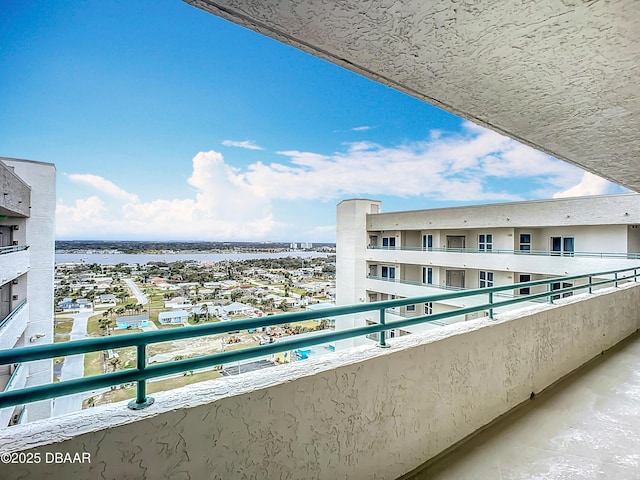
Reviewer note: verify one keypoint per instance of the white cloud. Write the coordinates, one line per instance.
(474, 165)
(103, 185)
(248, 144)
(363, 128)
(224, 207)
(452, 168)
(589, 185)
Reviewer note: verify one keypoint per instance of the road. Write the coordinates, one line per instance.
(141, 297)
(73, 367)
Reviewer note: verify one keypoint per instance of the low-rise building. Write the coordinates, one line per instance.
(132, 321)
(173, 317)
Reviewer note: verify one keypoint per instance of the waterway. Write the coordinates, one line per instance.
(142, 258)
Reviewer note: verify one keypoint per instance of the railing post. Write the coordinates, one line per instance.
(491, 303)
(141, 401)
(383, 341)
(635, 274)
(550, 289)
(590, 284)
(615, 277)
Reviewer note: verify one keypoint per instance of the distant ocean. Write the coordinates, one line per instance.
(141, 258)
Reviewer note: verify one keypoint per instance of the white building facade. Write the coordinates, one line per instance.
(27, 229)
(385, 256)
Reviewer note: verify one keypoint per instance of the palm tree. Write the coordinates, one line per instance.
(114, 362)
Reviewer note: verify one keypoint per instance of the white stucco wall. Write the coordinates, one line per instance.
(596, 210)
(351, 243)
(39, 234)
(365, 413)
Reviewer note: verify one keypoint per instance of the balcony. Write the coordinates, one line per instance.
(14, 261)
(410, 288)
(9, 382)
(586, 426)
(367, 412)
(541, 262)
(16, 198)
(13, 325)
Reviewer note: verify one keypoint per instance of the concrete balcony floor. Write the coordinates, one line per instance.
(587, 426)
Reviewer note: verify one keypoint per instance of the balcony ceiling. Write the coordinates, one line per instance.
(562, 76)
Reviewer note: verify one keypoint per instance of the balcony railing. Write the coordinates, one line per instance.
(142, 373)
(13, 248)
(13, 377)
(13, 313)
(434, 285)
(546, 253)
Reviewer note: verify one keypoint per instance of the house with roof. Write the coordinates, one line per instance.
(174, 317)
(107, 299)
(132, 321)
(237, 309)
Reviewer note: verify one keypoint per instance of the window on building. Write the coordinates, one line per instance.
(375, 208)
(562, 246)
(411, 308)
(427, 275)
(559, 286)
(567, 245)
(486, 279)
(388, 272)
(388, 242)
(485, 242)
(373, 297)
(373, 336)
(526, 290)
(428, 308)
(373, 240)
(373, 270)
(525, 242)
(427, 242)
(455, 278)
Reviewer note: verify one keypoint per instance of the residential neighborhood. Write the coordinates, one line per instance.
(127, 298)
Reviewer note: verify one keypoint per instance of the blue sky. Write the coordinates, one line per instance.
(166, 122)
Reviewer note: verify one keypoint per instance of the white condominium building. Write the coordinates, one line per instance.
(384, 256)
(27, 221)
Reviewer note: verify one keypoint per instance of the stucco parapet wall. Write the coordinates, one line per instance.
(363, 413)
(594, 210)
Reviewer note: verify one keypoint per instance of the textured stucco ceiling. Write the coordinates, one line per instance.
(560, 75)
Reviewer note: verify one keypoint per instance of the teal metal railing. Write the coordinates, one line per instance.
(546, 253)
(14, 375)
(12, 248)
(13, 313)
(143, 372)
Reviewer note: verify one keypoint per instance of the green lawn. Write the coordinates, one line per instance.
(62, 329)
(93, 364)
(93, 327)
(129, 392)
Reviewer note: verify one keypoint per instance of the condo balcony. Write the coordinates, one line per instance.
(14, 261)
(15, 200)
(542, 262)
(381, 411)
(13, 323)
(12, 377)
